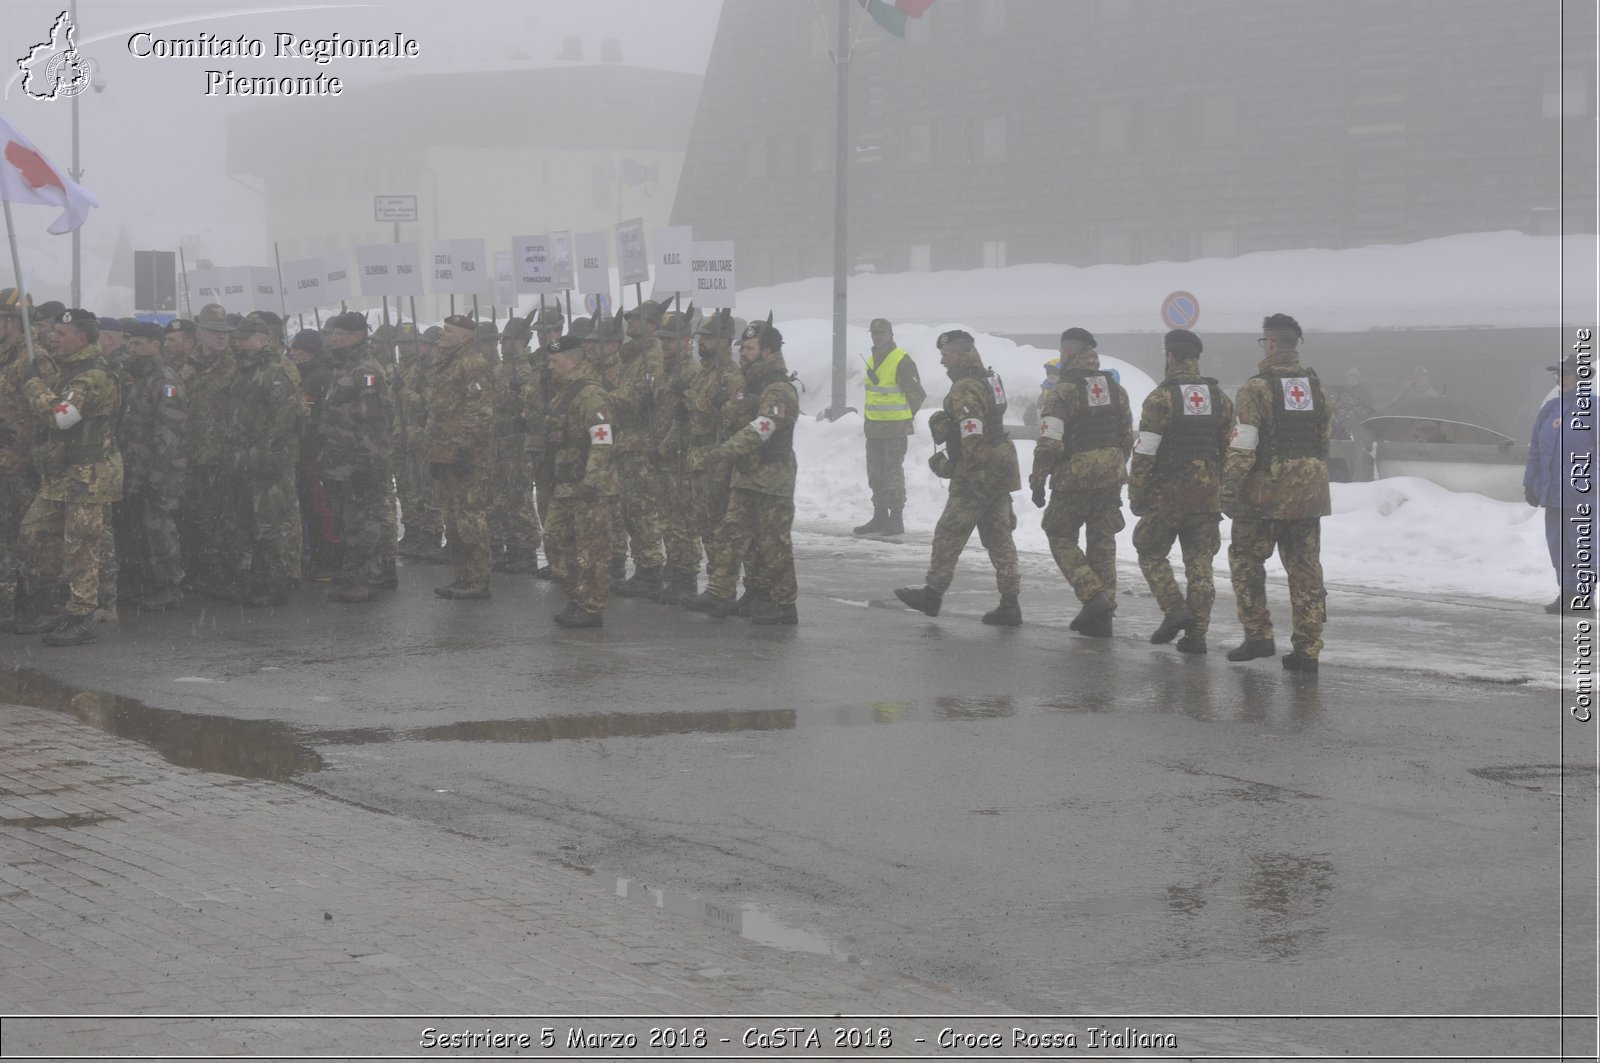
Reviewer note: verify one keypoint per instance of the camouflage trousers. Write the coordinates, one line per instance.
(994, 520)
(64, 540)
(15, 495)
(464, 500)
(207, 529)
(415, 491)
(1153, 537)
(886, 471)
(389, 545)
(358, 514)
(680, 525)
(320, 543)
(1098, 512)
(1299, 546)
(636, 513)
(269, 517)
(577, 540)
(513, 520)
(146, 534)
(755, 530)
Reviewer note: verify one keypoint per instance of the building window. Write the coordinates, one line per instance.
(1114, 127)
(757, 157)
(921, 258)
(994, 254)
(994, 138)
(1566, 95)
(919, 144)
(994, 17)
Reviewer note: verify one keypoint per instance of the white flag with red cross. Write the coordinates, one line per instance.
(26, 176)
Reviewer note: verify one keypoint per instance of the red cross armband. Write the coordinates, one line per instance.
(600, 435)
(971, 426)
(764, 427)
(66, 412)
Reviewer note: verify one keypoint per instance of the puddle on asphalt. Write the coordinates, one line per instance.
(749, 921)
(564, 728)
(249, 749)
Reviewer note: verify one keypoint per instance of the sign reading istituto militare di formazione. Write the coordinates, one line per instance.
(282, 47)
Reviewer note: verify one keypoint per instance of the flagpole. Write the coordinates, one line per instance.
(841, 209)
(16, 266)
(77, 175)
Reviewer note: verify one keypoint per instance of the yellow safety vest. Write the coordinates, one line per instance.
(885, 400)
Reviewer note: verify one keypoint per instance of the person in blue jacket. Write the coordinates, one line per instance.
(1558, 478)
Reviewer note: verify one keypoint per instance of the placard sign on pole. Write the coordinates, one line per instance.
(505, 289)
(633, 261)
(264, 289)
(673, 247)
(375, 265)
(459, 268)
(336, 281)
(561, 260)
(712, 263)
(594, 269)
(530, 263)
(233, 289)
(202, 288)
(407, 269)
(302, 284)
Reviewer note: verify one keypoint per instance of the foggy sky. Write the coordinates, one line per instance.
(152, 143)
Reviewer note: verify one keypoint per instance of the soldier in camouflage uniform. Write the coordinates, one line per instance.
(205, 521)
(177, 349)
(757, 525)
(263, 438)
(712, 418)
(638, 386)
(536, 398)
(980, 461)
(320, 535)
(16, 469)
(680, 530)
(513, 524)
(1275, 487)
(1174, 488)
(1085, 437)
(354, 446)
(80, 471)
(424, 523)
(382, 344)
(460, 453)
(577, 536)
(154, 460)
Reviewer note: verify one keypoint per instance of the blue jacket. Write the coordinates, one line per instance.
(1550, 470)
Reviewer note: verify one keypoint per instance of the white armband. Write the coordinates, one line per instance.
(1052, 428)
(600, 434)
(764, 427)
(1245, 437)
(971, 426)
(1147, 443)
(66, 415)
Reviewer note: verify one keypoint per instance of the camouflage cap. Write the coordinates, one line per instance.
(649, 310)
(550, 318)
(144, 330)
(674, 325)
(516, 329)
(254, 325)
(610, 328)
(580, 329)
(383, 334)
(213, 318)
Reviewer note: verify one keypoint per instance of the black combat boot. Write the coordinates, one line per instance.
(925, 599)
(262, 596)
(873, 526)
(1252, 649)
(1176, 621)
(645, 581)
(502, 557)
(892, 524)
(1007, 614)
(1094, 619)
(770, 612)
(38, 611)
(687, 587)
(76, 631)
(523, 560)
(576, 616)
(619, 571)
(666, 591)
(706, 602)
(1195, 644)
(750, 600)
(1299, 662)
(461, 591)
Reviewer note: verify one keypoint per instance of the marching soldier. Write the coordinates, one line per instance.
(265, 411)
(460, 452)
(80, 471)
(155, 459)
(713, 383)
(577, 536)
(1174, 488)
(513, 524)
(759, 519)
(536, 413)
(680, 534)
(1275, 487)
(980, 461)
(424, 523)
(354, 447)
(205, 520)
(1085, 436)
(16, 469)
(636, 398)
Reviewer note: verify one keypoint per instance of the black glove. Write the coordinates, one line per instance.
(463, 462)
(941, 465)
(939, 426)
(8, 434)
(1039, 496)
(1532, 499)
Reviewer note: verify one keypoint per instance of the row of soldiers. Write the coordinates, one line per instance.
(213, 459)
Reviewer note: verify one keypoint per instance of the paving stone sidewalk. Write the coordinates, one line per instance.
(129, 886)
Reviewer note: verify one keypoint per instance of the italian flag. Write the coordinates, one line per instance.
(892, 15)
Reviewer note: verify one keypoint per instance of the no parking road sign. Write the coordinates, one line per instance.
(1180, 310)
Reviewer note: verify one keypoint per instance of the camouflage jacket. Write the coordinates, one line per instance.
(677, 374)
(513, 377)
(354, 427)
(536, 396)
(637, 397)
(1257, 482)
(580, 436)
(411, 407)
(763, 450)
(1159, 482)
(1055, 457)
(984, 458)
(461, 408)
(155, 425)
(14, 409)
(79, 462)
(208, 412)
(265, 411)
(713, 383)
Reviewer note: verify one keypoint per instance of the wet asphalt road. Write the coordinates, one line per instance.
(1061, 824)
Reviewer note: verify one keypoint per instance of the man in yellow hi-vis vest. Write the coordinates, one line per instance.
(894, 395)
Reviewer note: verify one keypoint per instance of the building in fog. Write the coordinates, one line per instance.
(489, 154)
(1002, 132)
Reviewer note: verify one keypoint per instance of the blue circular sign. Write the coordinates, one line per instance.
(1180, 310)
